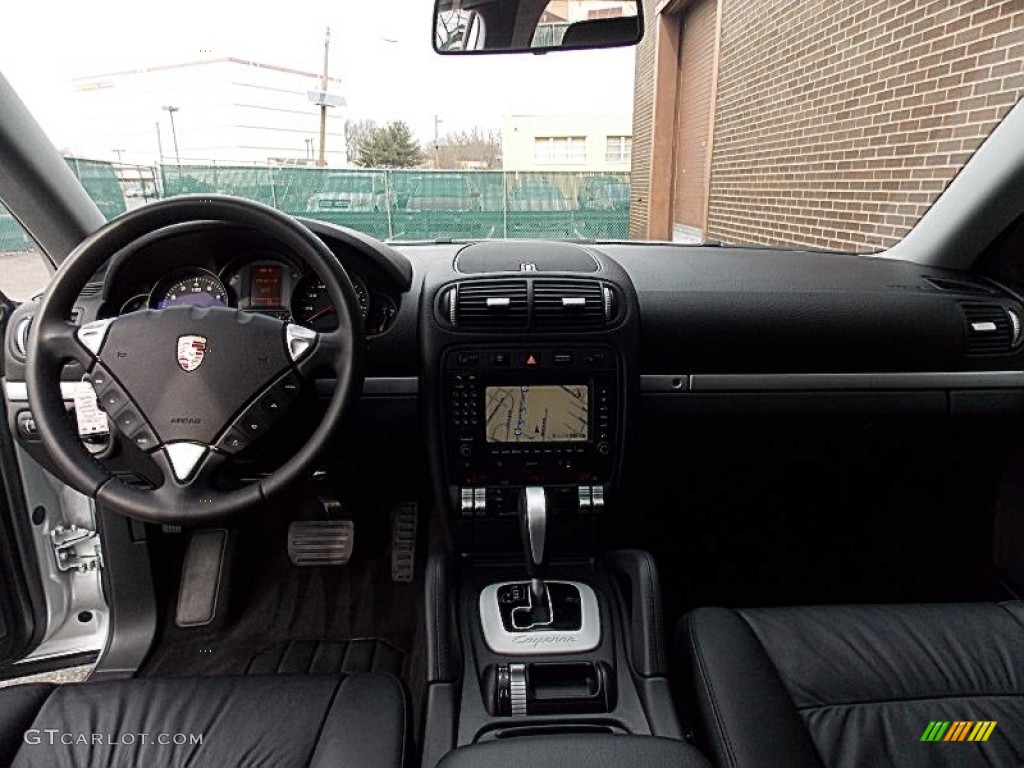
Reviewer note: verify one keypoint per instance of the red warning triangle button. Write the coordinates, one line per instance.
(531, 360)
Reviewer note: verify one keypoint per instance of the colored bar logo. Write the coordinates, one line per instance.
(958, 730)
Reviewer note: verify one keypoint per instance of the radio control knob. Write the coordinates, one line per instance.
(604, 448)
(465, 451)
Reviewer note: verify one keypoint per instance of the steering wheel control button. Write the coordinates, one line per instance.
(299, 341)
(184, 457)
(113, 400)
(128, 420)
(233, 442)
(92, 335)
(100, 378)
(144, 439)
(252, 423)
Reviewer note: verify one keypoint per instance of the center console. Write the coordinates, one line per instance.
(541, 415)
(534, 629)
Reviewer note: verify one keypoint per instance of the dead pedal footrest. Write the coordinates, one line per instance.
(320, 542)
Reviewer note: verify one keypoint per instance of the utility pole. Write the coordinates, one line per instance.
(437, 141)
(322, 161)
(159, 142)
(174, 133)
(118, 152)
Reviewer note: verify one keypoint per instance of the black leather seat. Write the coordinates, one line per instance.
(842, 686)
(309, 720)
(577, 751)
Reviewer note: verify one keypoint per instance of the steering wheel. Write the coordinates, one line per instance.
(189, 386)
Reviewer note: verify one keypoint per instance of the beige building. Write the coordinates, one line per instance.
(834, 126)
(227, 110)
(601, 143)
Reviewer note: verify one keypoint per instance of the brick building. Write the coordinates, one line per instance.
(824, 123)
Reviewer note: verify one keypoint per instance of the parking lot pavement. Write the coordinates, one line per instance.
(22, 274)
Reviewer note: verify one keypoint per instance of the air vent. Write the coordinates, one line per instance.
(91, 289)
(569, 304)
(991, 329)
(20, 338)
(488, 305)
(959, 286)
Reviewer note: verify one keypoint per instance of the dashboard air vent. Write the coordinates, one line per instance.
(91, 289)
(20, 338)
(568, 304)
(991, 329)
(488, 305)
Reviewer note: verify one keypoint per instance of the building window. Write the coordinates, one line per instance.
(619, 149)
(563, 150)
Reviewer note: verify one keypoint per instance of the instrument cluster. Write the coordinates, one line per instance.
(267, 284)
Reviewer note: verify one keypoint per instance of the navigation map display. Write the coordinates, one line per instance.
(537, 414)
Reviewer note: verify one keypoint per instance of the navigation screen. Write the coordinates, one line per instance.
(541, 414)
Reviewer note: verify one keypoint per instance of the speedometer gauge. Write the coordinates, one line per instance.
(312, 306)
(197, 288)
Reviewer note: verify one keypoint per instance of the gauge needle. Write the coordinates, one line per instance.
(321, 312)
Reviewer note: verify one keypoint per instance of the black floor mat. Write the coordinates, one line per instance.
(328, 657)
(348, 618)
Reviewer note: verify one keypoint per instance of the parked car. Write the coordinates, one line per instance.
(444, 192)
(134, 189)
(351, 192)
(603, 193)
(538, 195)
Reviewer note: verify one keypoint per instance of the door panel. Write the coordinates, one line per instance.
(21, 603)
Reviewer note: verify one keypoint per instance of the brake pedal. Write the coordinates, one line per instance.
(403, 543)
(320, 542)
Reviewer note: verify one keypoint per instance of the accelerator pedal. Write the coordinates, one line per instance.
(320, 542)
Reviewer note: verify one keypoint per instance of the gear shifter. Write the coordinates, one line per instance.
(533, 518)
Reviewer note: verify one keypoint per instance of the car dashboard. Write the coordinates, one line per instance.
(629, 337)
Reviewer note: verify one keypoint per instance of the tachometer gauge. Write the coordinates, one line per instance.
(197, 288)
(313, 308)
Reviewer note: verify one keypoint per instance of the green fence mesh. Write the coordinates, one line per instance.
(388, 204)
(416, 204)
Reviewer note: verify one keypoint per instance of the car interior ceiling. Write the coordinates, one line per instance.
(785, 526)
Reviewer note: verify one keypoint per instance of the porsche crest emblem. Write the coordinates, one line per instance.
(191, 351)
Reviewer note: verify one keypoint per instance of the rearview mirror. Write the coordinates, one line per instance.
(534, 26)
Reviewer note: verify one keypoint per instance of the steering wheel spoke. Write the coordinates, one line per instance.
(64, 341)
(318, 352)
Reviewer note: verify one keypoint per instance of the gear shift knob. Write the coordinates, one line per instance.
(533, 520)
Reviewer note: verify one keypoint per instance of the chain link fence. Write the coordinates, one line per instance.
(418, 204)
(388, 204)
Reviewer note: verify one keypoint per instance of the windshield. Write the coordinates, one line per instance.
(826, 125)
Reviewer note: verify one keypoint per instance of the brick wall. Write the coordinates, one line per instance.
(643, 113)
(839, 122)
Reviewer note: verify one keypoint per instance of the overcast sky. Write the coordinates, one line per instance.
(381, 49)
